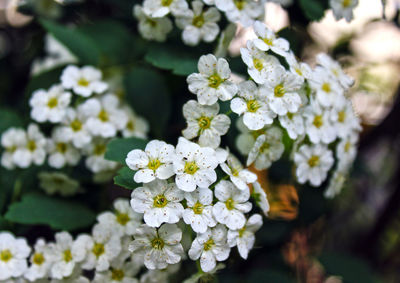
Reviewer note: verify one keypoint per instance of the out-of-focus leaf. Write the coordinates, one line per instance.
(125, 179)
(35, 209)
(269, 276)
(9, 118)
(314, 10)
(43, 80)
(147, 93)
(118, 149)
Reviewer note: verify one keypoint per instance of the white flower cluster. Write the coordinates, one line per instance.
(343, 9)
(104, 252)
(84, 116)
(198, 20)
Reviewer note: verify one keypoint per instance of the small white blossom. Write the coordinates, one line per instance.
(49, 105)
(318, 124)
(13, 255)
(60, 151)
(246, 139)
(343, 8)
(95, 156)
(313, 163)
(158, 247)
(344, 119)
(136, 126)
(203, 121)
(266, 40)
(260, 198)
(237, 174)
(74, 128)
(198, 213)
(335, 70)
(336, 184)
(119, 272)
(243, 11)
(159, 201)
(253, 104)
(199, 24)
(211, 83)
(232, 204)
(41, 261)
(83, 81)
(210, 246)
(58, 183)
(155, 162)
(346, 152)
(152, 28)
(300, 69)
(194, 165)
(161, 8)
(11, 140)
(33, 151)
(327, 89)
(267, 148)
(244, 238)
(293, 123)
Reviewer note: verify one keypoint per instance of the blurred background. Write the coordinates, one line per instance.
(353, 238)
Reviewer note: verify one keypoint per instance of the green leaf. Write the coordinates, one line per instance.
(9, 118)
(35, 209)
(87, 51)
(125, 178)
(314, 10)
(167, 58)
(148, 95)
(118, 149)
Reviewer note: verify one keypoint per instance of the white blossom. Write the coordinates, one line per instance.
(266, 40)
(136, 126)
(60, 151)
(336, 184)
(300, 69)
(293, 123)
(343, 8)
(11, 140)
(318, 124)
(346, 151)
(161, 8)
(243, 11)
(335, 70)
(95, 156)
(260, 198)
(33, 151)
(327, 89)
(41, 261)
(344, 119)
(58, 183)
(74, 128)
(152, 28)
(237, 174)
(119, 271)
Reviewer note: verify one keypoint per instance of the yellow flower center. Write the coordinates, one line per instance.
(265, 147)
(166, 3)
(326, 87)
(253, 105)
(130, 125)
(5, 255)
(198, 208)
(103, 116)
(122, 218)
(76, 125)
(61, 147)
(98, 249)
(11, 148)
(241, 231)
(53, 102)
(299, 72)
(268, 41)
(258, 64)
(83, 82)
(256, 134)
(67, 255)
(240, 4)
(151, 23)
(214, 81)
(198, 21)
(38, 258)
(318, 122)
(279, 91)
(313, 161)
(117, 274)
(346, 3)
(191, 168)
(341, 116)
(157, 243)
(160, 201)
(209, 244)
(204, 122)
(290, 115)
(99, 149)
(31, 145)
(154, 164)
(230, 204)
(347, 147)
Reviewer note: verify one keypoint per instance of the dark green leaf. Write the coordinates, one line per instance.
(314, 10)
(35, 209)
(125, 178)
(9, 118)
(118, 149)
(147, 93)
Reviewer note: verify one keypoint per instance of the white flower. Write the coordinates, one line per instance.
(123, 221)
(267, 148)
(95, 156)
(293, 123)
(194, 165)
(198, 213)
(120, 271)
(244, 238)
(239, 176)
(103, 247)
(75, 277)
(231, 206)
(300, 69)
(13, 255)
(199, 25)
(160, 8)
(158, 247)
(260, 66)
(49, 105)
(318, 124)
(152, 28)
(104, 116)
(246, 139)
(282, 90)
(210, 246)
(327, 89)
(260, 198)
(159, 201)
(335, 184)
(313, 163)
(60, 151)
(346, 152)
(57, 182)
(253, 104)
(41, 261)
(334, 69)
(343, 8)
(203, 121)
(159, 275)
(266, 40)
(136, 126)
(344, 119)
(67, 253)
(155, 162)
(74, 128)
(11, 140)
(243, 11)
(212, 82)
(33, 151)
(83, 81)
